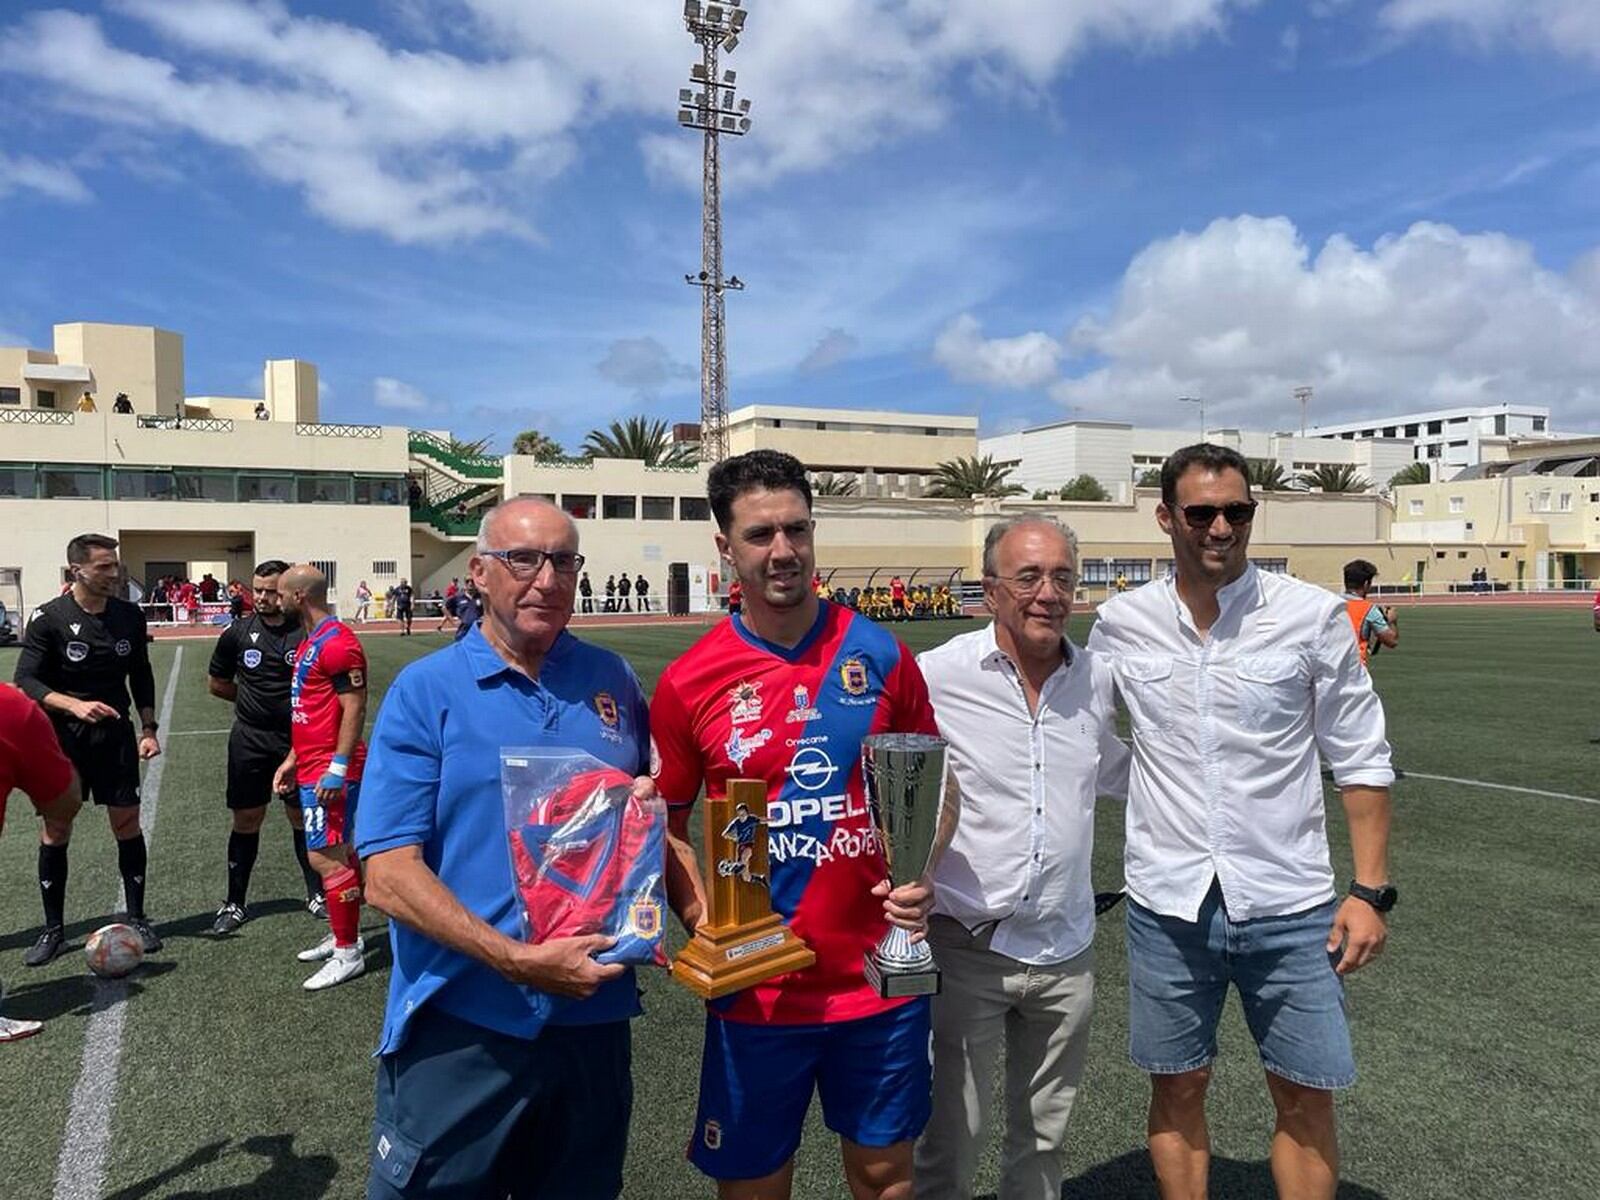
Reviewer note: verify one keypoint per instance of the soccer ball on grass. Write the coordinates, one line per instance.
(113, 951)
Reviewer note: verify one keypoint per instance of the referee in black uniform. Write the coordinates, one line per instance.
(251, 668)
(81, 655)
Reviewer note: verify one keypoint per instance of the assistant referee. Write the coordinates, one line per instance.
(81, 655)
(251, 668)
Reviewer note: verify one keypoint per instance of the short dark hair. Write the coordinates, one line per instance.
(78, 548)
(1206, 455)
(1358, 572)
(271, 567)
(733, 477)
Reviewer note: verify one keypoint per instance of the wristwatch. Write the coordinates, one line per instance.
(1381, 898)
(151, 726)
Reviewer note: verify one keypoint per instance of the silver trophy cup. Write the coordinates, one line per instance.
(905, 781)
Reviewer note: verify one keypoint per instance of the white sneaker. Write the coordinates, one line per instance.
(345, 963)
(14, 1031)
(323, 950)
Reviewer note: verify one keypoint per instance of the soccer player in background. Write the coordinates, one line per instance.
(251, 668)
(404, 598)
(82, 653)
(328, 704)
(719, 713)
(31, 760)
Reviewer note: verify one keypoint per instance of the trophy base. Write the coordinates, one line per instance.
(894, 985)
(721, 961)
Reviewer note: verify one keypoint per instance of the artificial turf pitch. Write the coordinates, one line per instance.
(1477, 1034)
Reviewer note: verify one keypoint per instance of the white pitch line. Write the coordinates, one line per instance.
(81, 1167)
(1500, 787)
(199, 732)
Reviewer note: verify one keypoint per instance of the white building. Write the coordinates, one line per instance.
(1449, 439)
(1119, 454)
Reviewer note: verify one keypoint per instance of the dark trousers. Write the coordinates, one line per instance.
(463, 1112)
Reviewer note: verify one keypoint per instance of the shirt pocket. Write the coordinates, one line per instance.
(1272, 691)
(1146, 687)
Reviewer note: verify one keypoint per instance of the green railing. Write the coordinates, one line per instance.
(474, 466)
(440, 514)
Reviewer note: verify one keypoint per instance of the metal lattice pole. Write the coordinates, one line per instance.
(712, 110)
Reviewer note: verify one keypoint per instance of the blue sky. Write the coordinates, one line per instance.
(477, 213)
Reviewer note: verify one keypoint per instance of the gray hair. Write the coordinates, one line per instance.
(997, 531)
(483, 525)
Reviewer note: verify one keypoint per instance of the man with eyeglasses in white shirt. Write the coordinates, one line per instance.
(1235, 681)
(1031, 723)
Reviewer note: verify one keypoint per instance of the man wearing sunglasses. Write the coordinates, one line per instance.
(1236, 681)
(504, 1066)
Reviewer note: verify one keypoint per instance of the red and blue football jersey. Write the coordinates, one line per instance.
(737, 707)
(327, 663)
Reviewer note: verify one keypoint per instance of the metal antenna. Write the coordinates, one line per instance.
(708, 104)
(1200, 400)
(1303, 394)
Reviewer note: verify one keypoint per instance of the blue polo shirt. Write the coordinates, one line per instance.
(433, 780)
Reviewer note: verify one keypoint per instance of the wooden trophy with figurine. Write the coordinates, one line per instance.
(741, 941)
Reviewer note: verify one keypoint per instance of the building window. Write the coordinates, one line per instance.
(1435, 449)
(1349, 437)
(1544, 501)
(1416, 508)
(1461, 553)
(1538, 424)
(1366, 433)
(44, 399)
(330, 569)
(1388, 431)
(580, 507)
(17, 483)
(144, 485)
(205, 485)
(657, 508)
(619, 508)
(63, 483)
(1435, 426)
(270, 489)
(694, 508)
(1564, 502)
(323, 489)
(1458, 504)
(929, 432)
(376, 491)
(1134, 570)
(1095, 570)
(1458, 420)
(1500, 424)
(1273, 566)
(1411, 430)
(10, 395)
(385, 566)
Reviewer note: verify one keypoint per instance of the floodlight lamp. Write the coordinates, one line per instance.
(733, 3)
(744, 124)
(737, 20)
(685, 117)
(714, 14)
(731, 42)
(729, 124)
(730, 77)
(744, 106)
(697, 71)
(735, 282)
(691, 9)
(703, 277)
(685, 95)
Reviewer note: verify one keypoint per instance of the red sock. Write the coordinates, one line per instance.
(343, 892)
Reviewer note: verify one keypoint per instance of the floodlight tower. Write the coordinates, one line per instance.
(709, 105)
(1201, 401)
(1303, 394)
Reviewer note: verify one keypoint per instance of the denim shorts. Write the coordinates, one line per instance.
(1178, 976)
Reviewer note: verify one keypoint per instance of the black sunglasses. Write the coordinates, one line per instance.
(1202, 516)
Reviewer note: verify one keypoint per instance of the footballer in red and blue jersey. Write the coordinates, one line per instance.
(739, 706)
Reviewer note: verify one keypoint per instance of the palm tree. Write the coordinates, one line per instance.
(477, 448)
(1267, 475)
(1334, 477)
(1150, 478)
(639, 439)
(1084, 487)
(964, 478)
(537, 445)
(1417, 472)
(834, 485)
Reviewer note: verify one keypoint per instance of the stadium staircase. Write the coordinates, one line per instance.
(448, 479)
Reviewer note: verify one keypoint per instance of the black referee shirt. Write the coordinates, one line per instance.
(259, 658)
(89, 656)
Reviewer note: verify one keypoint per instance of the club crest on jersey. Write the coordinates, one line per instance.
(252, 658)
(740, 747)
(711, 1135)
(644, 919)
(77, 651)
(802, 710)
(607, 708)
(744, 703)
(853, 676)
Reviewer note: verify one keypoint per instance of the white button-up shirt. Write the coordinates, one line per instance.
(1226, 732)
(1020, 855)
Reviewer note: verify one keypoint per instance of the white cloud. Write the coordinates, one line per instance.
(1243, 312)
(642, 364)
(428, 145)
(22, 173)
(400, 397)
(1570, 27)
(831, 349)
(1029, 360)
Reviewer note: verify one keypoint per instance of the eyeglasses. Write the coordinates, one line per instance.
(526, 563)
(1026, 583)
(1202, 516)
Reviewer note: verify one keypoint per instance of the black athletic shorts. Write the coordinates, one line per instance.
(254, 755)
(106, 754)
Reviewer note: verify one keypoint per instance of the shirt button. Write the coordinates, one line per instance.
(1038, 810)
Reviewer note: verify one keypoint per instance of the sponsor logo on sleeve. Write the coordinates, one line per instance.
(124, 647)
(77, 651)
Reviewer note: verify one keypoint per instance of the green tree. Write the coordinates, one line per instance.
(1334, 477)
(640, 439)
(477, 448)
(1417, 472)
(1268, 475)
(834, 485)
(1084, 487)
(1150, 478)
(964, 478)
(537, 445)
(1044, 494)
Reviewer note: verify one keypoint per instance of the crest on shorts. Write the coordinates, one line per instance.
(252, 658)
(607, 708)
(712, 1135)
(853, 675)
(77, 651)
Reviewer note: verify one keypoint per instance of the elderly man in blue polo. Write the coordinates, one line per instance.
(504, 1067)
